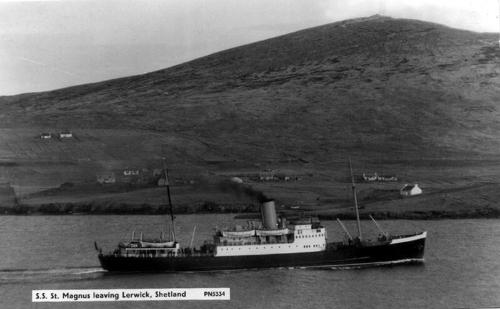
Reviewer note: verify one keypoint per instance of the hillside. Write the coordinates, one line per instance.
(377, 84)
(383, 90)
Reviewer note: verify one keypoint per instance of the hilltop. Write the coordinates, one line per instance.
(383, 90)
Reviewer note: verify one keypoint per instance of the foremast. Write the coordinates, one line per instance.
(355, 201)
(171, 208)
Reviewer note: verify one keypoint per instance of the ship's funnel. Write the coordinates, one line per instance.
(268, 212)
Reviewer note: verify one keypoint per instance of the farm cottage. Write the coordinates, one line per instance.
(410, 190)
(65, 134)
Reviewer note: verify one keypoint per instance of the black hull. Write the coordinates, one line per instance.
(383, 254)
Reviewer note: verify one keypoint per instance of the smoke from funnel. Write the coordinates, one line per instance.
(239, 189)
(242, 189)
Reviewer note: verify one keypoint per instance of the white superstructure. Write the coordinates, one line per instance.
(298, 239)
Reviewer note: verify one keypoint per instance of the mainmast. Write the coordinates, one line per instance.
(355, 200)
(167, 184)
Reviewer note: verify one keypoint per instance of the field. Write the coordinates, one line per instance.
(452, 188)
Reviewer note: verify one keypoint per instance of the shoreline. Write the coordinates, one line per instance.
(241, 211)
(62, 209)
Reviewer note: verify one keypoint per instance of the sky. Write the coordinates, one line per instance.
(51, 44)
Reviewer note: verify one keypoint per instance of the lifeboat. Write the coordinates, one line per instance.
(277, 232)
(248, 233)
(131, 244)
(165, 244)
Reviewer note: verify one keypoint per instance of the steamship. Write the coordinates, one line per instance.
(272, 242)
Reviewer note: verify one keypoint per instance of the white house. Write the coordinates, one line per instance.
(410, 190)
(236, 179)
(65, 134)
(161, 182)
(130, 172)
(373, 177)
(45, 136)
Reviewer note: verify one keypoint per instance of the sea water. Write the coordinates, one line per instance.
(461, 269)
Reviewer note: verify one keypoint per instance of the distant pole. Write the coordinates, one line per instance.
(355, 200)
(499, 23)
(381, 7)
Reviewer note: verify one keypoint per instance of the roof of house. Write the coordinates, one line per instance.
(408, 187)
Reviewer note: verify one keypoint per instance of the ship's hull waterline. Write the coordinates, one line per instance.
(402, 250)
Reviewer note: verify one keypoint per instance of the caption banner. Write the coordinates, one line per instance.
(130, 295)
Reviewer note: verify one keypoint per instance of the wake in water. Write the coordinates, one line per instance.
(49, 275)
(85, 273)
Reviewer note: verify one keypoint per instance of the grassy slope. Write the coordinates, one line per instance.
(389, 92)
